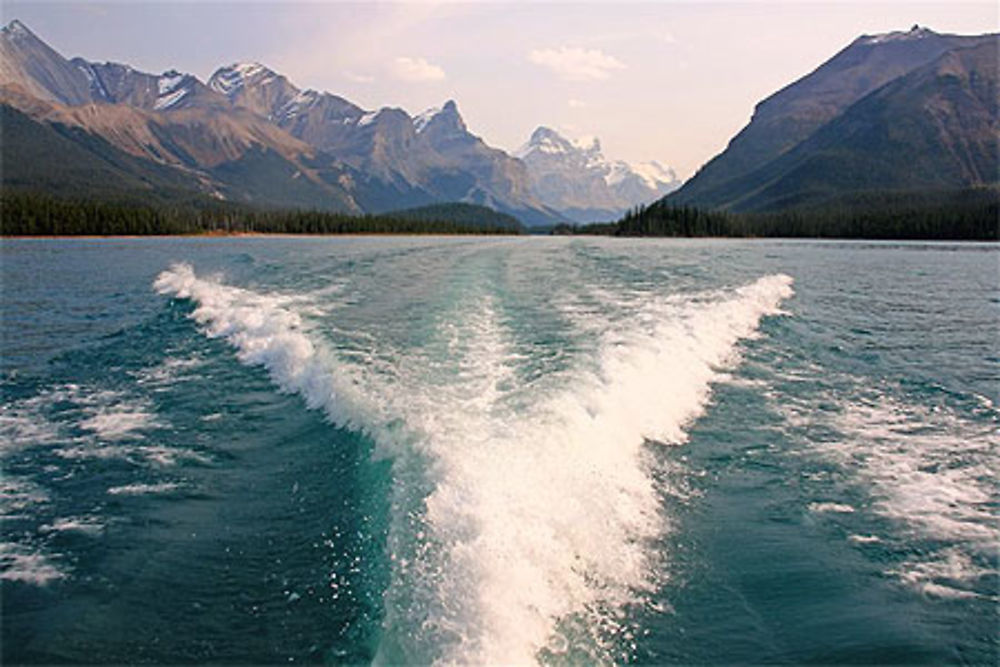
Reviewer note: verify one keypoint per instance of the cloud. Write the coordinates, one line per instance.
(576, 104)
(576, 64)
(416, 69)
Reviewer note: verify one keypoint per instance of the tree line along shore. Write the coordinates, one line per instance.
(970, 214)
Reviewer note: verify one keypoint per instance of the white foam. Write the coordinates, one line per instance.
(114, 415)
(168, 372)
(109, 415)
(19, 495)
(24, 423)
(535, 515)
(864, 539)
(118, 423)
(266, 332)
(84, 525)
(140, 489)
(838, 508)
(950, 574)
(18, 562)
(929, 470)
(170, 456)
(157, 455)
(20, 429)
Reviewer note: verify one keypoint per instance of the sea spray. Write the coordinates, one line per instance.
(520, 524)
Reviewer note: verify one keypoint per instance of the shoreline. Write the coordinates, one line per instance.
(224, 235)
(267, 235)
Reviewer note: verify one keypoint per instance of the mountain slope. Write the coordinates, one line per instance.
(162, 123)
(932, 128)
(576, 179)
(201, 152)
(67, 160)
(43, 73)
(793, 114)
(935, 128)
(249, 126)
(404, 160)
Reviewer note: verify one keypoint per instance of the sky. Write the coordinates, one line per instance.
(669, 81)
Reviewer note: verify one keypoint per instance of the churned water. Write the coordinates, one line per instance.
(453, 450)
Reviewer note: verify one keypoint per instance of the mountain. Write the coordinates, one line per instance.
(68, 161)
(576, 179)
(250, 134)
(170, 121)
(407, 161)
(39, 69)
(895, 111)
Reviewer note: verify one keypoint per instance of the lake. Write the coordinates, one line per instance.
(556, 450)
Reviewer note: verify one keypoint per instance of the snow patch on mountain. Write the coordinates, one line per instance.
(303, 101)
(653, 173)
(916, 32)
(574, 176)
(368, 118)
(168, 82)
(421, 120)
(171, 89)
(171, 99)
(229, 80)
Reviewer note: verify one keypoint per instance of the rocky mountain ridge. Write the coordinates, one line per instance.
(576, 179)
(350, 158)
(884, 108)
(370, 161)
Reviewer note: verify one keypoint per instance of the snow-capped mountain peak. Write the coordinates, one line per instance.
(421, 120)
(230, 79)
(654, 173)
(589, 144)
(547, 141)
(574, 177)
(914, 33)
(445, 118)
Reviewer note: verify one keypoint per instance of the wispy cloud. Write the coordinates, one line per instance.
(576, 64)
(416, 69)
(576, 104)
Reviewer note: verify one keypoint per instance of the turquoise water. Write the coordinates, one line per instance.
(564, 451)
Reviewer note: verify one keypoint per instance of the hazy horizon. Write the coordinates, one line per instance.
(669, 81)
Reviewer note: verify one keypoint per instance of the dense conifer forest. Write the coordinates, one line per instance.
(32, 214)
(971, 214)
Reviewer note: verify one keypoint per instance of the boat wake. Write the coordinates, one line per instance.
(524, 517)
